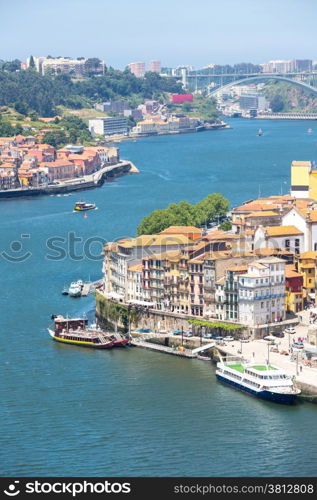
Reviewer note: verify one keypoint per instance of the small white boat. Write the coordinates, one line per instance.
(260, 132)
(82, 206)
(74, 289)
(309, 131)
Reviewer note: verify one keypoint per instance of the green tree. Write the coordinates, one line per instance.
(226, 226)
(277, 104)
(32, 63)
(21, 107)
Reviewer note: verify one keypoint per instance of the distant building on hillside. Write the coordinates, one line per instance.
(57, 65)
(109, 125)
(252, 101)
(155, 66)
(181, 98)
(137, 68)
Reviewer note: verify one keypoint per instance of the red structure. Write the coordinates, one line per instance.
(180, 98)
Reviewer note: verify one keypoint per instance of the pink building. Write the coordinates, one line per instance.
(155, 66)
(137, 68)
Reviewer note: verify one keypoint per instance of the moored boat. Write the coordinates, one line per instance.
(82, 206)
(263, 381)
(74, 289)
(74, 331)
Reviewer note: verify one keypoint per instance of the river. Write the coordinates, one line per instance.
(68, 411)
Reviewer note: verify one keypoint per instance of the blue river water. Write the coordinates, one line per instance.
(73, 412)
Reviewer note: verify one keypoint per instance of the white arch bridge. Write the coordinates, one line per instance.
(249, 79)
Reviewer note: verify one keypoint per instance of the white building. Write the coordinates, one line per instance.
(288, 238)
(117, 125)
(261, 292)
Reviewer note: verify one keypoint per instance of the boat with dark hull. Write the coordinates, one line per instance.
(263, 381)
(75, 331)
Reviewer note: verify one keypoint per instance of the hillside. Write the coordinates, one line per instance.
(286, 97)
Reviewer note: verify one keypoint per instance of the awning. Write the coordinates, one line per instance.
(114, 295)
(311, 295)
(141, 303)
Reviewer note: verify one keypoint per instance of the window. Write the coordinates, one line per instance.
(287, 243)
(297, 242)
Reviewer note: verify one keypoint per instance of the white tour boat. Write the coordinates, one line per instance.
(263, 381)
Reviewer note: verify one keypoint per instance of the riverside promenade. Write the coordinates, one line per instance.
(259, 350)
(91, 181)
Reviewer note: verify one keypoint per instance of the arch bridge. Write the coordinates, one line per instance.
(260, 77)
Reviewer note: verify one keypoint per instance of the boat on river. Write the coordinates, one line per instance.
(82, 206)
(75, 289)
(260, 132)
(74, 331)
(263, 381)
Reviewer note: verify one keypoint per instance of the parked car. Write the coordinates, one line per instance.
(229, 338)
(219, 338)
(206, 336)
(176, 332)
(278, 334)
(298, 345)
(187, 334)
(244, 340)
(290, 330)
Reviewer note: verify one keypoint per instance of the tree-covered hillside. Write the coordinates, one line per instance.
(35, 92)
(286, 97)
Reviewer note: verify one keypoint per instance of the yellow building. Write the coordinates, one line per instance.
(306, 266)
(304, 179)
(293, 290)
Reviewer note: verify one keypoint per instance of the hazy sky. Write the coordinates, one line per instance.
(196, 32)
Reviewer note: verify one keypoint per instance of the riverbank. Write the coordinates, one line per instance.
(78, 184)
(207, 127)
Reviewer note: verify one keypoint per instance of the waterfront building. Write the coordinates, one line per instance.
(253, 100)
(118, 256)
(134, 283)
(155, 66)
(109, 125)
(137, 68)
(59, 169)
(293, 289)
(227, 295)
(262, 292)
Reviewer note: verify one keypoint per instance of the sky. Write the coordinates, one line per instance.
(194, 32)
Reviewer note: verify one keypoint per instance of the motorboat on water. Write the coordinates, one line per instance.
(74, 289)
(82, 206)
(260, 132)
(264, 381)
(77, 332)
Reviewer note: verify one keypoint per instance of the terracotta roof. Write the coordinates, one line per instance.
(290, 272)
(264, 213)
(313, 215)
(181, 229)
(135, 268)
(282, 230)
(307, 266)
(241, 268)
(308, 255)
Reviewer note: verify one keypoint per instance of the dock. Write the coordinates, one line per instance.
(186, 353)
(86, 289)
